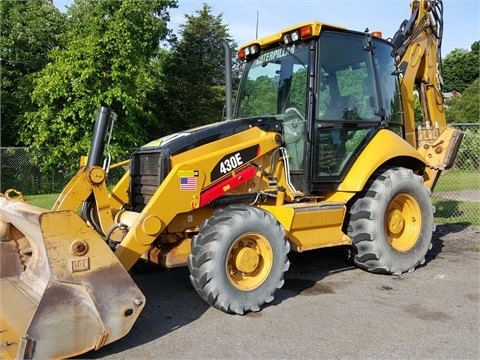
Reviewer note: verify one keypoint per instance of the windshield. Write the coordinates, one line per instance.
(275, 82)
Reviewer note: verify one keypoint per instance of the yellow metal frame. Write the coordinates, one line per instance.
(373, 157)
(169, 201)
(275, 38)
(85, 183)
(311, 225)
(421, 71)
(420, 58)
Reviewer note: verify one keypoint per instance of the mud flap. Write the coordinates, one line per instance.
(62, 290)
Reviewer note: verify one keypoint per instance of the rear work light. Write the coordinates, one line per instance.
(248, 51)
(291, 37)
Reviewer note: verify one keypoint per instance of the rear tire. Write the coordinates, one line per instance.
(391, 222)
(238, 259)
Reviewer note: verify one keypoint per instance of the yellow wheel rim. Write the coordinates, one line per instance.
(249, 261)
(403, 222)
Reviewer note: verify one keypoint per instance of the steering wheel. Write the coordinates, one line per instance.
(294, 124)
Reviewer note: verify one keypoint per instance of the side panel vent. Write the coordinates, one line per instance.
(147, 171)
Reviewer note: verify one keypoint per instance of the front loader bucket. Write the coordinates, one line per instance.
(62, 290)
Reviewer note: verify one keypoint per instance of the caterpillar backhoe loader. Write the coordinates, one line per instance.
(323, 151)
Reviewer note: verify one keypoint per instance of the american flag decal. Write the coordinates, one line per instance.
(188, 183)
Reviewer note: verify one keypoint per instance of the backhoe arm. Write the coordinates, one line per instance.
(417, 48)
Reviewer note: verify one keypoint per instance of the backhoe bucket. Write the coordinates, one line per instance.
(62, 290)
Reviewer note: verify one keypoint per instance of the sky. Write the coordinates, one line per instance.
(461, 17)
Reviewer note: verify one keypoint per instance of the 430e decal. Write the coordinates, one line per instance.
(232, 161)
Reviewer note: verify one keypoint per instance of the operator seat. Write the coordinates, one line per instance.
(337, 107)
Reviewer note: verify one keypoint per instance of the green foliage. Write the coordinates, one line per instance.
(465, 108)
(29, 29)
(417, 109)
(461, 68)
(469, 150)
(261, 96)
(106, 59)
(193, 73)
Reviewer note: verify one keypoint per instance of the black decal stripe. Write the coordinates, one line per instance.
(246, 155)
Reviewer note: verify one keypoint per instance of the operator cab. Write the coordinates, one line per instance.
(332, 92)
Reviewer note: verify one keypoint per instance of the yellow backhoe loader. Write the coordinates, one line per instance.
(323, 151)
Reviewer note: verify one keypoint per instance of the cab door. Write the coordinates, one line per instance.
(349, 105)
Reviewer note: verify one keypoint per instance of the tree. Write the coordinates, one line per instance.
(194, 72)
(417, 109)
(29, 30)
(465, 108)
(461, 68)
(106, 60)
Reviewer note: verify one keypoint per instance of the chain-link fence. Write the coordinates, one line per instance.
(18, 171)
(456, 196)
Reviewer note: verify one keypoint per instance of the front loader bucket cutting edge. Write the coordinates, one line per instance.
(62, 290)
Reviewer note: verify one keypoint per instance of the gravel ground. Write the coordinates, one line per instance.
(327, 309)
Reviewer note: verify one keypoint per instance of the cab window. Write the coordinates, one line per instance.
(347, 104)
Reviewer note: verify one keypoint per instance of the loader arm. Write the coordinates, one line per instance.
(88, 188)
(417, 47)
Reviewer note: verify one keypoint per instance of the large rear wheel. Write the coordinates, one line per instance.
(391, 222)
(238, 259)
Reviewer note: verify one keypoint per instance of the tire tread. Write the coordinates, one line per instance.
(205, 246)
(367, 252)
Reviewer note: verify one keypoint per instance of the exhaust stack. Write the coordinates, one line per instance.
(228, 81)
(98, 138)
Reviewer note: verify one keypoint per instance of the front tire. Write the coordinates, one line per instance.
(238, 259)
(391, 222)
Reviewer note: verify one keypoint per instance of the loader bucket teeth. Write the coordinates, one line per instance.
(63, 292)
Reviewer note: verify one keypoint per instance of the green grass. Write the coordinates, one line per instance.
(45, 201)
(458, 180)
(450, 211)
(457, 212)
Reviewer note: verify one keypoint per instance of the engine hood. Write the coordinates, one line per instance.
(190, 139)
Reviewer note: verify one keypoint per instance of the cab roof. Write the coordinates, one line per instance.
(277, 37)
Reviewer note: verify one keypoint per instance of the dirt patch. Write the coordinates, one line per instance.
(456, 238)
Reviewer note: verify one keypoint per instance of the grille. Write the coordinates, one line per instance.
(147, 171)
